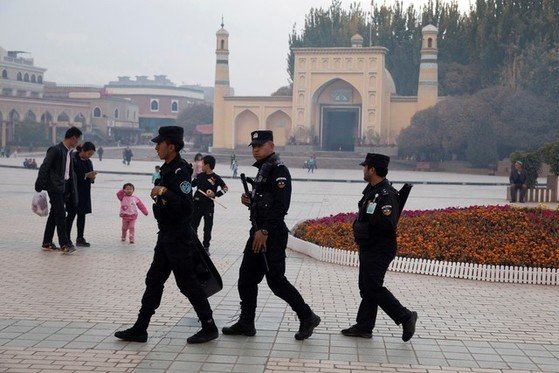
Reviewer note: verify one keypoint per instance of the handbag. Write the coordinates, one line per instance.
(39, 204)
(205, 270)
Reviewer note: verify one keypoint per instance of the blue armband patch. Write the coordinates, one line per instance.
(186, 187)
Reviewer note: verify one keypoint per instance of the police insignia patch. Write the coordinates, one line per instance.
(386, 210)
(186, 187)
(281, 182)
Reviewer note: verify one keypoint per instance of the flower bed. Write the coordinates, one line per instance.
(496, 235)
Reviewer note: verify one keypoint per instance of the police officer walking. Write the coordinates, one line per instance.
(174, 250)
(264, 253)
(375, 234)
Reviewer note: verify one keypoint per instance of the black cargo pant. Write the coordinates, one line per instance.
(253, 269)
(176, 257)
(206, 211)
(373, 264)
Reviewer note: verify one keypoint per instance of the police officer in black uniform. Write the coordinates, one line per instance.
(375, 233)
(174, 250)
(264, 253)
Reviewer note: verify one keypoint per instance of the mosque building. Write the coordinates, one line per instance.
(339, 95)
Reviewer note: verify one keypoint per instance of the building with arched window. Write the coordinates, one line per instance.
(20, 76)
(342, 97)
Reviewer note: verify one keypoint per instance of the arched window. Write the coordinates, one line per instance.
(430, 43)
(97, 112)
(19, 77)
(40, 79)
(5, 74)
(223, 44)
(116, 113)
(154, 105)
(33, 79)
(175, 106)
(26, 77)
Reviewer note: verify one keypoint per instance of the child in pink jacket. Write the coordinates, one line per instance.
(129, 206)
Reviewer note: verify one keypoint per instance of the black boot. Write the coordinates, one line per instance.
(132, 335)
(409, 326)
(82, 242)
(307, 326)
(357, 331)
(241, 327)
(209, 332)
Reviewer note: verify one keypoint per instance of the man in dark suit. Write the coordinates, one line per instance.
(55, 176)
(518, 180)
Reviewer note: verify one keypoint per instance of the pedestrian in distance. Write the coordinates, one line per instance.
(174, 251)
(129, 206)
(56, 176)
(156, 175)
(264, 253)
(235, 168)
(207, 183)
(100, 153)
(85, 176)
(374, 232)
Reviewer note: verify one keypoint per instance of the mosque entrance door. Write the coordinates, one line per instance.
(339, 128)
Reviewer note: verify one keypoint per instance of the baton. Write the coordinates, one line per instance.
(245, 186)
(212, 198)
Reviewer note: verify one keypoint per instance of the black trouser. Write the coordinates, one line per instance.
(72, 213)
(57, 219)
(173, 257)
(373, 264)
(253, 270)
(514, 188)
(206, 211)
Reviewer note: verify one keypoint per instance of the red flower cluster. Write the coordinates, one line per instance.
(497, 235)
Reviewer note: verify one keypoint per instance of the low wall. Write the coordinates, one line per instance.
(471, 271)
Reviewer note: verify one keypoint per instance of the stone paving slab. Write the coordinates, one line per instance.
(59, 313)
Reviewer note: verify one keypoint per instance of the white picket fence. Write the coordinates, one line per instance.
(470, 271)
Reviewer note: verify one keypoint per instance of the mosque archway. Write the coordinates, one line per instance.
(245, 123)
(280, 123)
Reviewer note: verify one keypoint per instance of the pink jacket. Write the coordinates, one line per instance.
(129, 206)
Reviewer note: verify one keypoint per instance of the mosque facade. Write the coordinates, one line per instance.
(342, 97)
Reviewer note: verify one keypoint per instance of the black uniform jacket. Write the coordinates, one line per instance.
(271, 195)
(173, 209)
(377, 220)
(51, 172)
(81, 167)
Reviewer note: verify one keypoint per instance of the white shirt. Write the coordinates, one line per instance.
(67, 169)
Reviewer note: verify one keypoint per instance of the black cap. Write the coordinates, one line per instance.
(173, 133)
(260, 137)
(376, 160)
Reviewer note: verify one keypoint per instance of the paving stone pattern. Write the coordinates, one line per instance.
(59, 313)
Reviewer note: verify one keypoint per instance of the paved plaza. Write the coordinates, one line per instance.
(59, 312)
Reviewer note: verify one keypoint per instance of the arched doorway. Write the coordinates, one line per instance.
(280, 123)
(337, 112)
(245, 123)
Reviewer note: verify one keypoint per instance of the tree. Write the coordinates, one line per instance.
(193, 115)
(550, 155)
(286, 90)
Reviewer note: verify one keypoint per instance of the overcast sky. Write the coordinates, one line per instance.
(94, 41)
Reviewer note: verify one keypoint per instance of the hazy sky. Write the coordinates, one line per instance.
(94, 41)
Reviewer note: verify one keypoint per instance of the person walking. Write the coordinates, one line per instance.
(56, 177)
(207, 183)
(100, 153)
(85, 176)
(174, 251)
(129, 206)
(264, 253)
(374, 232)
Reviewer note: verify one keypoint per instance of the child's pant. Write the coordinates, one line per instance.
(128, 225)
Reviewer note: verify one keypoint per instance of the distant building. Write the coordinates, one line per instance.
(21, 100)
(159, 100)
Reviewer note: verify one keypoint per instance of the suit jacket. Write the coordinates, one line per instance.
(51, 172)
